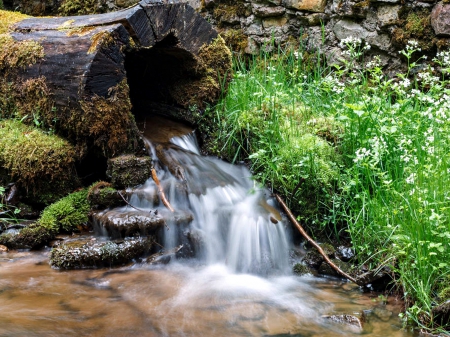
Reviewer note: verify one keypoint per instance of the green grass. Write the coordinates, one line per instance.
(354, 152)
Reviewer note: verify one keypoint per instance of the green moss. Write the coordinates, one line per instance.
(18, 54)
(36, 160)
(235, 40)
(102, 195)
(82, 7)
(1, 5)
(129, 170)
(415, 24)
(68, 213)
(301, 269)
(8, 18)
(33, 236)
(225, 12)
(213, 75)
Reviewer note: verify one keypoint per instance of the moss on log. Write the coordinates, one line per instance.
(37, 160)
(85, 75)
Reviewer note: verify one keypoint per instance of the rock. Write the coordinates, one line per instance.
(301, 269)
(345, 28)
(386, 1)
(351, 8)
(130, 222)
(325, 268)
(3, 249)
(129, 170)
(32, 236)
(90, 253)
(274, 22)
(313, 259)
(345, 253)
(388, 15)
(440, 19)
(355, 320)
(382, 313)
(266, 11)
(101, 195)
(312, 19)
(376, 281)
(441, 313)
(306, 5)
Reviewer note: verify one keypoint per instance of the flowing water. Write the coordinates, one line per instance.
(238, 283)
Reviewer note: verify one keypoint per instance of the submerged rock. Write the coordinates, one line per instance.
(90, 253)
(355, 321)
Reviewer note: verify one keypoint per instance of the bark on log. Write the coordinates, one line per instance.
(96, 68)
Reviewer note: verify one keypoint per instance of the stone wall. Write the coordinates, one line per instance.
(386, 25)
(319, 25)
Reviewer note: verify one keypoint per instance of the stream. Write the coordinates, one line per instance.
(233, 277)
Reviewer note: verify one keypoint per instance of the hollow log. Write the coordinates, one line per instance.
(86, 76)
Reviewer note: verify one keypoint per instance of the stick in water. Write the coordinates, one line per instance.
(310, 240)
(161, 191)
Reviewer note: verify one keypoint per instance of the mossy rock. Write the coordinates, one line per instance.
(325, 268)
(33, 236)
(41, 164)
(301, 269)
(102, 195)
(68, 214)
(129, 170)
(94, 254)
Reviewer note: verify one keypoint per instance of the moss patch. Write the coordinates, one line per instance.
(213, 75)
(82, 7)
(18, 54)
(8, 18)
(235, 39)
(129, 170)
(102, 195)
(415, 24)
(35, 159)
(67, 214)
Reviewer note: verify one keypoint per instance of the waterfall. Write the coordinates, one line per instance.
(234, 220)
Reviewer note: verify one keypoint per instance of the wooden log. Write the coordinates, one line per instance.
(97, 68)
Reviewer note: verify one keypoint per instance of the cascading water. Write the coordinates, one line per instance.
(233, 222)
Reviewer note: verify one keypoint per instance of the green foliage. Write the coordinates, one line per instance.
(67, 213)
(374, 151)
(289, 143)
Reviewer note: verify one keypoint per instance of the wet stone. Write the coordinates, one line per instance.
(325, 269)
(3, 249)
(355, 320)
(119, 223)
(344, 253)
(88, 252)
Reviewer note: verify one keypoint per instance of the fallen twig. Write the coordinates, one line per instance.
(161, 191)
(310, 240)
